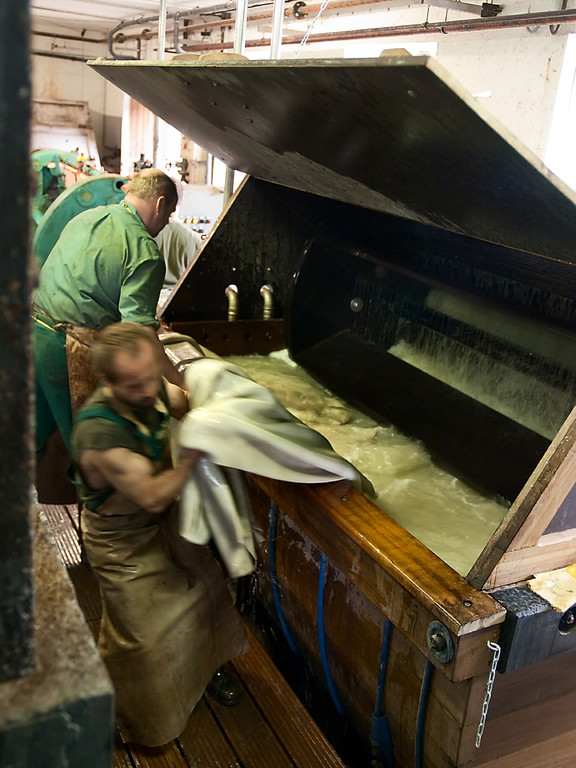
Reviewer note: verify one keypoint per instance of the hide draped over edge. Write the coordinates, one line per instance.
(240, 426)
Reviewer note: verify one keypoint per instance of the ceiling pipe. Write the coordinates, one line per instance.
(223, 8)
(299, 10)
(76, 38)
(442, 27)
(65, 56)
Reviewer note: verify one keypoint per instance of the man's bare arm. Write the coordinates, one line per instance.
(131, 474)
(177, 400)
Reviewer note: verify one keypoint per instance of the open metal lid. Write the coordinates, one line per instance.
(396, 135)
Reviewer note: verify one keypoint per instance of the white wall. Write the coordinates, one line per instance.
(518, 69)
(63, 79)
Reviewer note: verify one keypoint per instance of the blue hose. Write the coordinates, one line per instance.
(421, 716)
(321, 636)
(380, 734)
(274, 579)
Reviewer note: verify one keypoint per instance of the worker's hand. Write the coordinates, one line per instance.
(189, 456)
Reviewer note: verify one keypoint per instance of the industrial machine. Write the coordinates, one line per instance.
(384, 210)
(89, 192)
(55, 171)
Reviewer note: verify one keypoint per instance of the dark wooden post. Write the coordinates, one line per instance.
(16, 613)
(56, 701)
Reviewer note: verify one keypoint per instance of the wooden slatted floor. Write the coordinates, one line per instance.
(268, 728)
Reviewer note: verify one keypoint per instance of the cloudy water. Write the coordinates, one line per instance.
(450, 518)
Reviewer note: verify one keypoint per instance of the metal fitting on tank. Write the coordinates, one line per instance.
(266, 292)
(232, 296)
(440, 642)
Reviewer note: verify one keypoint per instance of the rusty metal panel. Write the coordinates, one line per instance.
(393, 135)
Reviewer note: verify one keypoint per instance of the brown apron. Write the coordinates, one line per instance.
(81, 378)
(166, 628)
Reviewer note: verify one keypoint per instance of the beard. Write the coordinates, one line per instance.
(141, 409)
(144, 408)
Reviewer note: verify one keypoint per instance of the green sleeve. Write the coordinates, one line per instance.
(141, 287)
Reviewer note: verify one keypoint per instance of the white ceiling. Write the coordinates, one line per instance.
(104, 15)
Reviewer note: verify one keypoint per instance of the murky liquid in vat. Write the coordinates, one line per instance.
(447, 516)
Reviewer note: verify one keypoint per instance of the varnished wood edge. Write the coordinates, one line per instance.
(518, 513)
(433, 583)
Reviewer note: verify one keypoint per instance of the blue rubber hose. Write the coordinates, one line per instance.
(322, 638)
(274, 579)
(380, 734)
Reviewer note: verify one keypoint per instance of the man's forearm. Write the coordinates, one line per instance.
(161, 490)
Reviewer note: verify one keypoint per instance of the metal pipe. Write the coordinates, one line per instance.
(176, 35)
(228, 185)
(222, 8)
(240, 25)
(161, 56)
(162, 31)
(60, 36)
(302, 11)
(266, 292)
(66, 57)
(443, 27)
(232, 296)
(277, 24)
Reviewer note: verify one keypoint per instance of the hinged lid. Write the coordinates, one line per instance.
(396, 134)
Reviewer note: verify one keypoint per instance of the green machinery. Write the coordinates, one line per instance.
(100, 189)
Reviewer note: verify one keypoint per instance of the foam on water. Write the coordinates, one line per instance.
(440, 510)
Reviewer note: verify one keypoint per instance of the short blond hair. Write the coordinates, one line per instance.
(152, 183)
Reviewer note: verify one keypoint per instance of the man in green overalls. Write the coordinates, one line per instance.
(168, 623)
(104, 268)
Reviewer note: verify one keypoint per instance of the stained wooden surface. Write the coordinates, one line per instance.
(529, 718)
(268, 727)
(399, 574)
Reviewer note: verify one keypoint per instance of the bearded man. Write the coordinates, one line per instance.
(168, 622)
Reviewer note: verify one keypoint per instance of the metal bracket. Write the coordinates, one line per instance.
(440, 642)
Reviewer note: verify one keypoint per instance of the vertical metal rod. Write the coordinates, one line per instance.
(277, 24)
(240, 25)
(162, 30)
(239, 35)
(161, 55)
(228, 185)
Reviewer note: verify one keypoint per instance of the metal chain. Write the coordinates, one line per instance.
(489, 685)
(311, 27)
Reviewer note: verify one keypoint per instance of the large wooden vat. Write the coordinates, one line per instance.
(383, 206)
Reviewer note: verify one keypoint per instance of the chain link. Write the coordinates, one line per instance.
(311, 27)
(489, 685)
